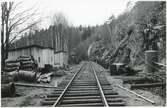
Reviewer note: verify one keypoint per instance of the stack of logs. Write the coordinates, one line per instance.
(26, 70)
(11, 65)
(27, 63)
(22, 69)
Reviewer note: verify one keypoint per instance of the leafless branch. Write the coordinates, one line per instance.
(22, 30)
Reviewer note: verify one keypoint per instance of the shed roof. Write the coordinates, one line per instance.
(30, 46)
(28, 42)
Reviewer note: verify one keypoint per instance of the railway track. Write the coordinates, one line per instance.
(86, 87)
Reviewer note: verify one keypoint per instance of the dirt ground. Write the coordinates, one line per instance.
(31, 96)
(131, 99)
(28, 96)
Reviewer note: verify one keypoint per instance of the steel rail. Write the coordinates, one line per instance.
(62, 94)
(135, 94)
(100, 88)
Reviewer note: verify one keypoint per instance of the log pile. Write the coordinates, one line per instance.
(22, 68)
(11, 65)
(22, 62)
(27, 63)
(22, 75)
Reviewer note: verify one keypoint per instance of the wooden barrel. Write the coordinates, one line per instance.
(7, 90)
(151, 56)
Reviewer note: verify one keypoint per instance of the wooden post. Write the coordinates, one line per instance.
(151, 56)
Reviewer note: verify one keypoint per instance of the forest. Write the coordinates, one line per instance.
(128, 50)
(111, 32)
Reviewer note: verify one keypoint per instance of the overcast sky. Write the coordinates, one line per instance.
(78, 12)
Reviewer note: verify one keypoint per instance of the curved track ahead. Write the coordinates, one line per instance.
(86, 87)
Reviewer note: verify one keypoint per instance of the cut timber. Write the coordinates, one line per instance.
(24, 59)
(93, 104)
(29, 76)
(85, 97)
(11, 69)
(17, 64)
(139, 80)
(33, 85)
(27, 62)
(133, 79)
(137, 86)
(83, 101)
(12, 61)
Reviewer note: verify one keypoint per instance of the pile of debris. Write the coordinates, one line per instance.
(45, 78)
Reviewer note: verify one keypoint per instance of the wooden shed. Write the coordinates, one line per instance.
(42, 55)
(53, 51)
(60, 59)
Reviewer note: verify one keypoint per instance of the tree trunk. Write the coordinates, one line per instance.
(7, 36)
(2, 40)
(54, 38)
(2, 46)
(7, 44)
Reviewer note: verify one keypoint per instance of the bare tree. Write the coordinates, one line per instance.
(60, 29)
(59, 18)
(13, 25)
